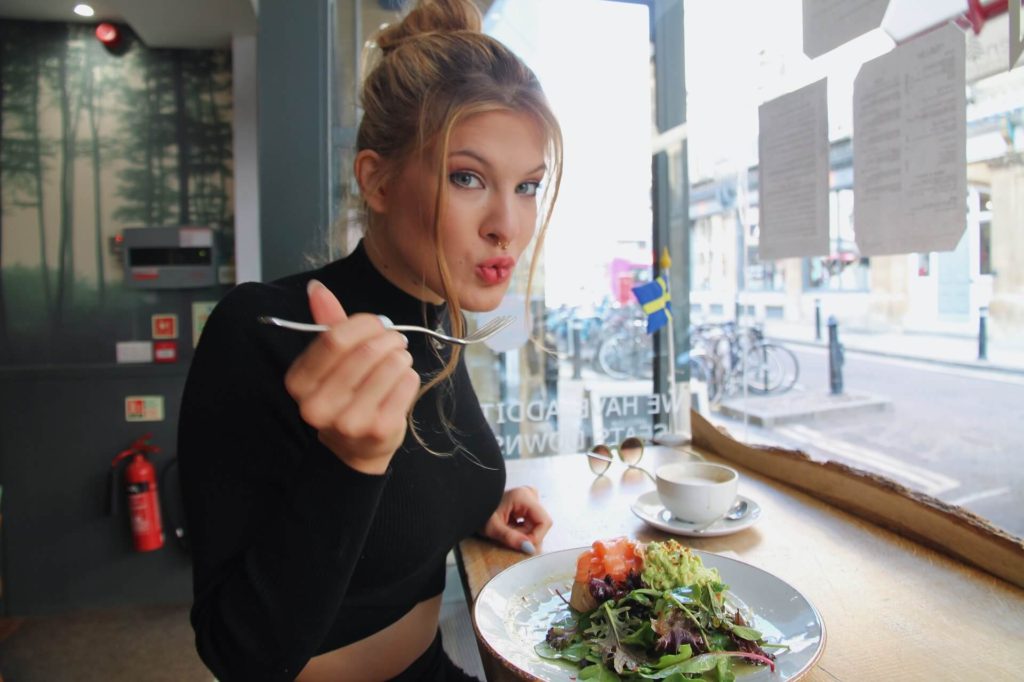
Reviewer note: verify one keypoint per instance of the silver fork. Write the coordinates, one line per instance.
(482, 333)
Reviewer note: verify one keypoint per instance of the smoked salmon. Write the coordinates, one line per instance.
(613, 560)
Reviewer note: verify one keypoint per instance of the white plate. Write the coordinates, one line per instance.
(515, 608)
(650, 509)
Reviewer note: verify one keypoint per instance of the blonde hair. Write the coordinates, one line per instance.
(434, 69)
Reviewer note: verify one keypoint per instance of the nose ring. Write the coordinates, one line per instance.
(503, 245)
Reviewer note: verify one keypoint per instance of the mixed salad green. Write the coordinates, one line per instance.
(673, 621)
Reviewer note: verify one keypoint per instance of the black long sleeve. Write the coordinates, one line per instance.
(296, 553)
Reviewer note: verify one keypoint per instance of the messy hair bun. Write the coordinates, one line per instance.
(432, 16)
(433, 66)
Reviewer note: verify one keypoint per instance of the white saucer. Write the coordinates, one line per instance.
(650, 509)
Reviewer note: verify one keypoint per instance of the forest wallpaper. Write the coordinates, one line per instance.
(93, 141)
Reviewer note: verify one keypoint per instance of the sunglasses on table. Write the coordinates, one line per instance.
(600, 457)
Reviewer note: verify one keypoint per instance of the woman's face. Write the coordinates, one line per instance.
(494, 166)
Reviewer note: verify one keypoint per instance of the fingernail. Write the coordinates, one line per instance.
(527, 547)
(313, 284)
(386, 321)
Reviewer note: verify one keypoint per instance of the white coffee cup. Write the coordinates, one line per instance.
(697, 492)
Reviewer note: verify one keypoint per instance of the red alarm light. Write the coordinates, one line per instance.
(108, 34)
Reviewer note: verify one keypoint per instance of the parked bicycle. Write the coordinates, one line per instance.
(626, 350)
(730, 359)
(727, 358)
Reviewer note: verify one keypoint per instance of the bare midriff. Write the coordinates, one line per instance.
(383, 654)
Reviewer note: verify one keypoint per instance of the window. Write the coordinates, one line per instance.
(909, 322)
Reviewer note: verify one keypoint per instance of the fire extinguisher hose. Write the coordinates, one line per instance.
(170, 500)
(113, 492)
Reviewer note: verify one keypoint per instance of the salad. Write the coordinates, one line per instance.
(652, 612)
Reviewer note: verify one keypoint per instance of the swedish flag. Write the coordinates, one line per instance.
(656, 299)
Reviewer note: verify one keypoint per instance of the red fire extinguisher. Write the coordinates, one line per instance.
(141, 489)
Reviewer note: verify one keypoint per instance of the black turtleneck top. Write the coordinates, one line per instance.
(295, 553)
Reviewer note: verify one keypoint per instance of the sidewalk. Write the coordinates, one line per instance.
(946, 349)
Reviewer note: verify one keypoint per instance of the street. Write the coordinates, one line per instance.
(954, 433)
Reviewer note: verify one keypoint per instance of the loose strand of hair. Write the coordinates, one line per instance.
(457, 323)
(548, 200)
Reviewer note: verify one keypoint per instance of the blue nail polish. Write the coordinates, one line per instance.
(527, 547)
(386, 321)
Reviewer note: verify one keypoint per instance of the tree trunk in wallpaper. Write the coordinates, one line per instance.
(4, 342)
(208, 192)
(145, 135)
(199, 186)
(97, 194)
(217, 134)
(70, 106)
(182, 137)
(40, 167)
(220, 153)
(163, 122)
(200, 166)
(167, 116)
(152, 181)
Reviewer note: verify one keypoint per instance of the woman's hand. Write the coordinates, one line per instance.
(520, 521)
(354, 384)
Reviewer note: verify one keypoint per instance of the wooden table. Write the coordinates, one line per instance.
(893, 609)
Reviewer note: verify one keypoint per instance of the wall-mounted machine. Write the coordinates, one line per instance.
(169, 257)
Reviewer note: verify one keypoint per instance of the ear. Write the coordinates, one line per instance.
(369, 171)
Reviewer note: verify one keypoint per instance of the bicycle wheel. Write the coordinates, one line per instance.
(624, 357)
(702, 371)
(790, 365)
(769, 368)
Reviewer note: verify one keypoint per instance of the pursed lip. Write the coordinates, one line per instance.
(496, 270)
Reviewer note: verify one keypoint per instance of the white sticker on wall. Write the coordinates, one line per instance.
(144, 408)
(134, 351)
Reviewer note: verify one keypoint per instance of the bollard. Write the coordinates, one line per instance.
(835, 357)
(817, 319)
(577, 350)
(983, 333)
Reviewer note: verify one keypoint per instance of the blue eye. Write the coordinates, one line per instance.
(466, 179)
(528, 188)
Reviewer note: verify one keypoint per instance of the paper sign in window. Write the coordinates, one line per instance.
(830, 23)
(793, 174)
(910, 147)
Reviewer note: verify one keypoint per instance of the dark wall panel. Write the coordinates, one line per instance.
(59, 430)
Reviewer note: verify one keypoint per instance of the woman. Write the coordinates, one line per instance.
(327, 477)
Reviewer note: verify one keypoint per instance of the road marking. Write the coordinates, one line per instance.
(920, 478)
(981, 495)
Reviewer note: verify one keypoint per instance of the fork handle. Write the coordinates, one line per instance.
(307, 327)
